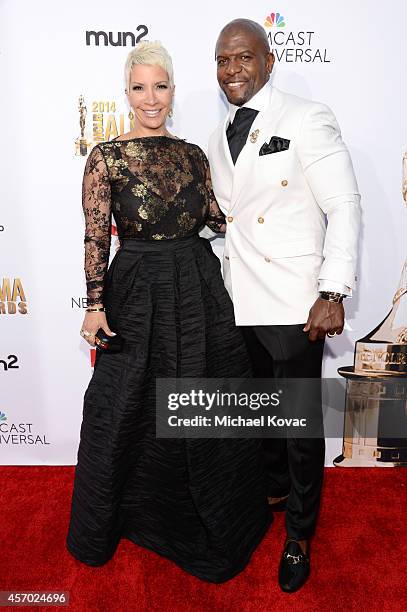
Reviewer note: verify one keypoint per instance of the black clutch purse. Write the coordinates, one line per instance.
(108, 344)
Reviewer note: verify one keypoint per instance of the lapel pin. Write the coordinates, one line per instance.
(254, 135)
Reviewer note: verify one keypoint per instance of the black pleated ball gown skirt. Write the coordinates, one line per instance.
(199, 502)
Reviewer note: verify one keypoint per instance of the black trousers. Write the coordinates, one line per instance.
(294, 466)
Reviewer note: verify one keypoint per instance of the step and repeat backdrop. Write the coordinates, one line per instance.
(63, 91)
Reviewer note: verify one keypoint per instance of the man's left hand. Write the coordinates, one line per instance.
(324, 318)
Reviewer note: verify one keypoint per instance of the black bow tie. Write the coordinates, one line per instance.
(238, 131)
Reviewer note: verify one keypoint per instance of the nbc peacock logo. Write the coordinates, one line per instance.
(274, 20)
(3, 416)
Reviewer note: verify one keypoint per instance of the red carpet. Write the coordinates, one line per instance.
(359, 557)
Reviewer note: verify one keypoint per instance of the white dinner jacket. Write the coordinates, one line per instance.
(293, 216)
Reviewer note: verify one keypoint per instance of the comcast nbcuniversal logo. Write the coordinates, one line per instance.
(295, 45)
(274, 20)
(19, 433)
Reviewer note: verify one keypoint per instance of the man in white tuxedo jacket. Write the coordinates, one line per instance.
(284, 179)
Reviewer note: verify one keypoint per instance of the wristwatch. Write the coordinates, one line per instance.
(332, 296)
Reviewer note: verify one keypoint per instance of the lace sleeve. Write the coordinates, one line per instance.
(216, 219)
(96, 203)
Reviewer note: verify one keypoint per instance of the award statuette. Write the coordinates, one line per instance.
(81, 143)
(375, 431)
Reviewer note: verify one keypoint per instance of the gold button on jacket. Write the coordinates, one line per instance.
(260, 220)
(268, 259)
(284, 183)
(230, 219)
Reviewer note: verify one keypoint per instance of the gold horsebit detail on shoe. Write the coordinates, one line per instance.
(296, 558)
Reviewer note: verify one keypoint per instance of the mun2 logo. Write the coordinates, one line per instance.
(274, 20)
(3, 416)
(116, 39)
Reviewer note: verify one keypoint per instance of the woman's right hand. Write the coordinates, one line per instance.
(92, 322)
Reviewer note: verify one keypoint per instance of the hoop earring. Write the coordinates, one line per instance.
(131, 116)
(170, 113)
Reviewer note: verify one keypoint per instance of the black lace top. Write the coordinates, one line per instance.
(158, 188)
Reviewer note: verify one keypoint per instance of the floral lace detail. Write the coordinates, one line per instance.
(157, 188)
(96, 202)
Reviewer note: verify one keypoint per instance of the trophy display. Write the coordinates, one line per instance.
(375, 427)
(81, 143)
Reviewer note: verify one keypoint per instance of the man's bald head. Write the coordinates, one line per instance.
(244, 60)
(246, 26)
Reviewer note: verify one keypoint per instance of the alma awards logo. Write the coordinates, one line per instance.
(292, 46)
(12, 297)
(108, 121)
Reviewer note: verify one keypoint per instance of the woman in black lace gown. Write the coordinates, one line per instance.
(199, 502)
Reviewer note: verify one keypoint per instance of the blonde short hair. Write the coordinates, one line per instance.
(152, 53)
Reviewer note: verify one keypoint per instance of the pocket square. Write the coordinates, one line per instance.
(275, 145)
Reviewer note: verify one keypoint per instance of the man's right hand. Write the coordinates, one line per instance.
(324, 318)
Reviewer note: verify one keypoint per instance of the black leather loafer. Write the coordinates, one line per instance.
(294, 567)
